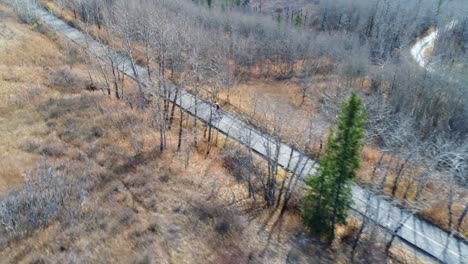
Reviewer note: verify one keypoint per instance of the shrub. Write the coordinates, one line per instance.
(53, 149)
(226, 221)
(46, 195)
(92, 86)
(238, 164)
(45, 30)
(72, 52)
(347, 233)
(30, 94)
(30, 145)
(65, 80)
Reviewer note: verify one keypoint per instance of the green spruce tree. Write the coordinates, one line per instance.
(298, 21)
(329, 198)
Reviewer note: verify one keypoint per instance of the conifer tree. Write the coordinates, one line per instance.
(298, 21)
(330, 195)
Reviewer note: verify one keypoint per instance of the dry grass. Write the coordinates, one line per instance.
(438, 213)
(142, 205)
(23, 81)
(278, 103)
(272, 98)
(347, 233)
(434, 208)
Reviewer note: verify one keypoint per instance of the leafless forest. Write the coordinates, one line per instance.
(313, 54)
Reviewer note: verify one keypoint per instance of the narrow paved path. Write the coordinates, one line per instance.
(420, 51)
(418, 234)
(421, 48)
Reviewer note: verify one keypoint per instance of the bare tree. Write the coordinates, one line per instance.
(26, 10)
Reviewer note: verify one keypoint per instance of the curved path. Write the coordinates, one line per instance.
(418, 234)
(421, 48)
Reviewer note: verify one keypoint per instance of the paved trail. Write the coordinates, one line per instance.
(420, 51)
(416, 233)
(421, 48)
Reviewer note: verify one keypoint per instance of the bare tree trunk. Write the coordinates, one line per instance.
(366, 218)
(208, 148)
(395, 233)
(171, 119)
(451, 195)
(281, 189)
(161, 123)
(422, 180)
(271, 185)
(181, 118)
(408, 188)
(129, 48)
(461, 218)
(384, 179)
(252, 169)
(293, 181)
(396, 182)
(104, 74)
(179, 141)
(358, 238)
(195, 121)
(115, 78)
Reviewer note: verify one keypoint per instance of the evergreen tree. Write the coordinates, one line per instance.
(278, 18)
(298, 21)
(330, 195)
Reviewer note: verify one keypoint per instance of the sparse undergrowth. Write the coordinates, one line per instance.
(291, 117)
(135, 203)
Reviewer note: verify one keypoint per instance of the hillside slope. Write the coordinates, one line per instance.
(136, 204)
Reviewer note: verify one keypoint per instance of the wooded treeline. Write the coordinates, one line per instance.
(365, 42)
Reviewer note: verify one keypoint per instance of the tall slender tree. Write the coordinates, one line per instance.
(330, 195)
